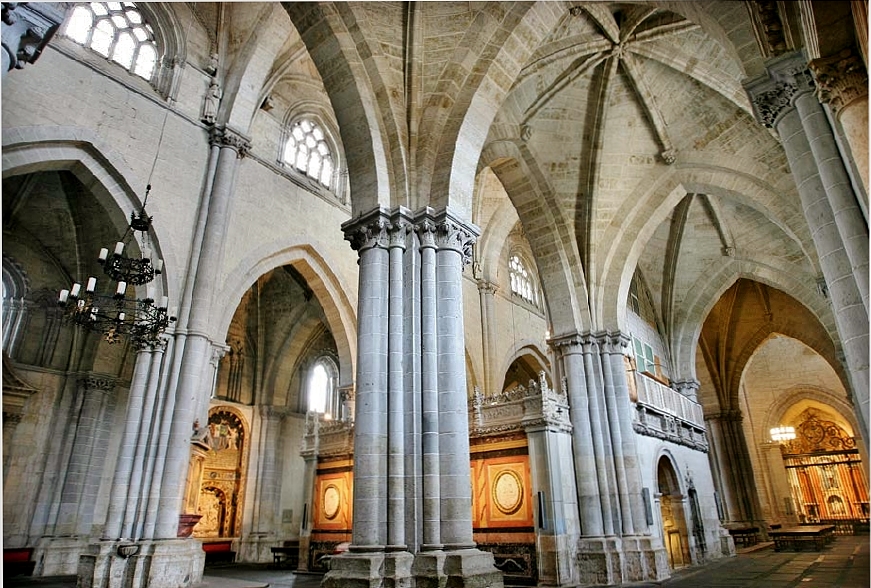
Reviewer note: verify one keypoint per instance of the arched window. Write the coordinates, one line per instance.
(323, 396)
(522, 281)
(15, 288)
(117, 31)
(308, 151)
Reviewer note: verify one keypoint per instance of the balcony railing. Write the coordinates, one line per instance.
(667, 414)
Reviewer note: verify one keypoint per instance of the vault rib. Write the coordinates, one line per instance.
(648, 103)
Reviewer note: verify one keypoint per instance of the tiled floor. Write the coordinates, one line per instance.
(844, 564)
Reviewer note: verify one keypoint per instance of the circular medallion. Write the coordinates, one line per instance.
(507, 492)
(332, 500)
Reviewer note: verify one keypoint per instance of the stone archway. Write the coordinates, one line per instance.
(672, 505)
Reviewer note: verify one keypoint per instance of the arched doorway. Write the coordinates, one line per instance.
(673, 515)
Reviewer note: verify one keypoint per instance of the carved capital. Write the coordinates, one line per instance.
(27, 29)
(840, 79)
(368, 231)
(456, 236)
(224, 137)
(97, 383)
(771, 104)
(399, 230)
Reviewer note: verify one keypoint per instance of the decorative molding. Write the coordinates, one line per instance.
(368, 231)
(771, 104)
(27, 29)
(840, 79)
(222, 136)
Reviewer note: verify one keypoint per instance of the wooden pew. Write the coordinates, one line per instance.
(797, 538)
(286, 556)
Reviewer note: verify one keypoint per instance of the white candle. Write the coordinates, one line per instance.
(121, 317)
(122, 288)
(173, 312)
(76, 289)
(164, 301)
(94, 313)
(119, 248)
(104, 253)
(158, 266)
(64, 294)
(92, 283)
(149, 292)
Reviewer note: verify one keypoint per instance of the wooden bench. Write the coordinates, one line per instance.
(745, 536)
(286, 556)
(796, 538)
(17, 562)
(219, 552)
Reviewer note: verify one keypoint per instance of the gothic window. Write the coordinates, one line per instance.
(307, 150)
(323, 395)
(118, 32)
(522, 280)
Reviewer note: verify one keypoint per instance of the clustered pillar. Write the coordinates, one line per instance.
(615, 544)
(784, 100)
(411, 398)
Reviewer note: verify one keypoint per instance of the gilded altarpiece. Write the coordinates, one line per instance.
(223, 483)
(825, 471)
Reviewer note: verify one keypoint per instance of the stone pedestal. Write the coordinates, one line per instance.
(355, 570)
(58, 556)
(170, 563)
(463, 568)
(612, 560)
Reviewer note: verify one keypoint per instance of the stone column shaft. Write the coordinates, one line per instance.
(124, 467)
(611, 404)
(197, 348)
(604, 469)
(396, 389)
(589, 500)
(429, 390)
(370, 238)
(453, 238)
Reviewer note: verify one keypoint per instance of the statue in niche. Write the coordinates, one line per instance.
(211, 102)
(212, 67)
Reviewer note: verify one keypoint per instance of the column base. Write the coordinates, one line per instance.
(615, 560)
(58, 556)
(255, 548)
(170, 563)
(370, 570)
(555, 558)
(461, 568)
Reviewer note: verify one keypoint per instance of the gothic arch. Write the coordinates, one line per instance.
(326, 285)
(93, 161)
(563, 282)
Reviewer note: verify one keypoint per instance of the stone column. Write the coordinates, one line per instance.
(774, 101)
(27, 27)
(487, 292)
(570, 351)
(842, 83)
(369, 237)
(198, 346)
(80, 487)
(400, 226)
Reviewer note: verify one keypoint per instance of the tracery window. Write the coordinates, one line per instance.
(117, 31)
(308, 151)
(323, 395)
(522, 281)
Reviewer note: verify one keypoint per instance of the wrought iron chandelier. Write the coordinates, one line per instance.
(115, 316)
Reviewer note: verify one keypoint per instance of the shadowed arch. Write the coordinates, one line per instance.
(796, 394)
(326, 285)
(94, 162)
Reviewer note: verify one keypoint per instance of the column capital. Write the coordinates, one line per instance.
(773, 94)
(97, 382)
(486, 287)
(27, 29)
(223, 136)
(399, 228)
(448, 230)
(688, 387)
(840, 79)
(611, 342)
(369, 230)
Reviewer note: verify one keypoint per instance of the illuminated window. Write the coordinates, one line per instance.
(307, 150)
(323, 396)
(117, 31)
(522, 282)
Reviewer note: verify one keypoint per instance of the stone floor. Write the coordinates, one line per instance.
(844, 564)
